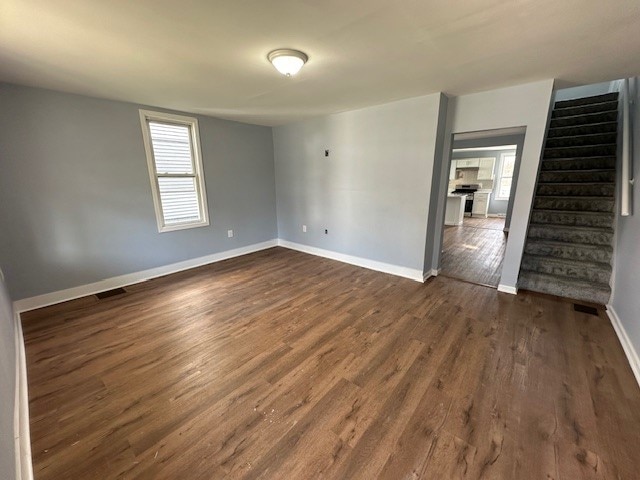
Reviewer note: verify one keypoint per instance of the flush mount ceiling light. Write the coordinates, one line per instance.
(288, 62)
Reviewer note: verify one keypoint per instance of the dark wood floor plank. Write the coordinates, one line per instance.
(284, 365)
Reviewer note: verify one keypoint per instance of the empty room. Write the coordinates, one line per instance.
(338, 240)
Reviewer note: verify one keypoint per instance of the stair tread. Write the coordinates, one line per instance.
(575, 212)
(556, 243)
(606, 102)
(581, 135)
(581, 170)
(596, 124)
(595, 157)
(575, 183)
(567, 261)
(570, 281)
(577, 197)
(556, 226)
(590, 114)
(595, 145)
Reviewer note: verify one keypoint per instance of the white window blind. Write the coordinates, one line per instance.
(175, 169)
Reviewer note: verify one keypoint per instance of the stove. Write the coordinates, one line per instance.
(468, 190)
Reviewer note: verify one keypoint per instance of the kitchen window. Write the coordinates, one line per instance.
(174, 159)
(505, 179)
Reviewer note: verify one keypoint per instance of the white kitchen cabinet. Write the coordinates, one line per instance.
(452, 171)
(485, 168)
(468, 163)
(480, 204)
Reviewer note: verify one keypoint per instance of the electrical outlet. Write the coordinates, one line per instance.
(326, 231)
(229, 233)
(326, 153)
(304, 228)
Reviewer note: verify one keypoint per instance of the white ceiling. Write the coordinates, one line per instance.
(208, 56)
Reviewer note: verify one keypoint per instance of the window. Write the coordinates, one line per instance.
(175, 169)
(507, 164)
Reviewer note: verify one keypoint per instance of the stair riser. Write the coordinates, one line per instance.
(601, 298)
(611, 127)
(570, 252)
(582, 140)
(607, 190)
(585, 205)
(573, 152)
(605, 97)
(569, 219)
(558, 177)
(585, 109)
(571, 271)
(611, 116)
(569, 235)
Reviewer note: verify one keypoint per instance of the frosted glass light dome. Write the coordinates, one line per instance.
(287, 62)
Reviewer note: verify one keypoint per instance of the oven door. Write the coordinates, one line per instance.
(468, 204)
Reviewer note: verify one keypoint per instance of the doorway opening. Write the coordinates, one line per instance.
(483, 175)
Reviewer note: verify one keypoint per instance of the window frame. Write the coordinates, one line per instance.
(501, 176)
(147, 116)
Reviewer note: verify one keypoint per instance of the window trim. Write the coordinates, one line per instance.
(500, 176)
(145, 117)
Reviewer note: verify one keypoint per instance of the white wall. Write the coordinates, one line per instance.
(521, 106)
(7, 384)
(372, 193)
(625, 301)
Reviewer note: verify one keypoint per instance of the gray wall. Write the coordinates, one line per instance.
(372, 193)
(525, 106)
(626, 282)
(7, 384)
(75, 190)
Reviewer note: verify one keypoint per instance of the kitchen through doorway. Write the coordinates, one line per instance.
(482, 181)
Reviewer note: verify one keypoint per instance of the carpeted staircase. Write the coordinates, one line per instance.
(570, 240)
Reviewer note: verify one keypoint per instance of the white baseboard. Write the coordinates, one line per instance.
(507, 289)
(22, 437)
(627, 346)
(405, 272)
(52, 298)
(430, 273)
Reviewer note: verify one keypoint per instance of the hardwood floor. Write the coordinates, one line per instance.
(284, 365)
(474, 251)
(491, 223)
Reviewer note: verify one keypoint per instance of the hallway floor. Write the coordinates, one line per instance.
(474, 251)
